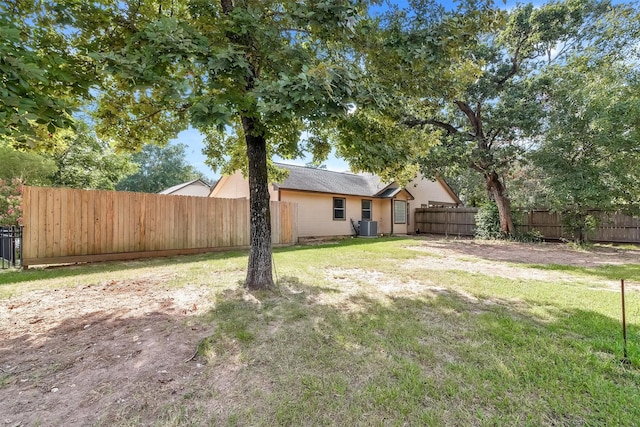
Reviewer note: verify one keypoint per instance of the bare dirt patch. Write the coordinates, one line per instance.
(94, 354)
(501, 259)
(540, 253)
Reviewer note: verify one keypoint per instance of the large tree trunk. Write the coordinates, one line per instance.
(502, 201)
(259, 270)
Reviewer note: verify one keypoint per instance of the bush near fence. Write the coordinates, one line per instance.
(65, 225)
(613, 227)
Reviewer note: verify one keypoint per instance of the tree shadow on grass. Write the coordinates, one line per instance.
(301, 355)
(439, 358)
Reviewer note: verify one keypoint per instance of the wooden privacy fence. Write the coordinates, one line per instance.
(65, 225)
(456, 221)
(614, 227)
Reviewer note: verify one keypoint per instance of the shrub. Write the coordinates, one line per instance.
(488, 222)
(11, 202)
(579, 223)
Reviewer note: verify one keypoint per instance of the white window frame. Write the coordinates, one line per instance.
(363, 210)
(399, 211)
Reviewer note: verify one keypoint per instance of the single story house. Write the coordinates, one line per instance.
(196, 187)
(329, 203)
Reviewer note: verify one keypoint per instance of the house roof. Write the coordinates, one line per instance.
(389, 192)
(175, 188)
(305, 178)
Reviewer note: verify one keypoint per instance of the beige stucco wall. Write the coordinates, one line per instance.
(425, 190)
(237, 187)
(231, 187)
(195, 189)
(315, 213)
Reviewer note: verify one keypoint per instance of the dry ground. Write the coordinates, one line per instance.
(497, 258)
(75, 356)
(95, 354)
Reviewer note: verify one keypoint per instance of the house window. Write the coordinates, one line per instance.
(339, 209)
(399, 212)
(366, 210)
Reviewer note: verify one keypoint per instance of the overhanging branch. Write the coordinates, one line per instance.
(473, 118)
(414, 123)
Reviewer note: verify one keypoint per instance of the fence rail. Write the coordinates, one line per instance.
(66, 225)
(613, 227)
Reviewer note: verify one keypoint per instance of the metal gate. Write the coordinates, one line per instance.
(10, 246)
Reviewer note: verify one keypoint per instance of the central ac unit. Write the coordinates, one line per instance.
(368, 229)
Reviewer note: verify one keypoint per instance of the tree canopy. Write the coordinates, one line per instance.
(590, 152)
(85, 161)
(479, 100)
(159, 168)
(252, 75)
(30, 168)
(44, 78)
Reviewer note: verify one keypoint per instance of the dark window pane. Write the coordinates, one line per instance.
(339, 208)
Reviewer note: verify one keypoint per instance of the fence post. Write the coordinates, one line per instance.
(2, 246)
(10, 246)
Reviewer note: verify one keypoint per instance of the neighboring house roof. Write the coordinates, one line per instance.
(178, 187)
(303, 178)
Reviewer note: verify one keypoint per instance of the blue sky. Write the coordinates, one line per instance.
(194, 140)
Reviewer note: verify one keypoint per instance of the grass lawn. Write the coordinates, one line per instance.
(390, 331)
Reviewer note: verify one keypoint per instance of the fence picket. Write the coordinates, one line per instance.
(65, 225)
(617, 228)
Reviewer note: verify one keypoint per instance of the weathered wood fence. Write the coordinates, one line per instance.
(461, 222)
(449, 221)
(65, 225)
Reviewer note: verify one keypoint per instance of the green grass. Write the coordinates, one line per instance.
(332, 346)
(188, 268)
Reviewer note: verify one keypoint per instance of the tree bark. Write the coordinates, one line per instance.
(495, 187)
(260, 268)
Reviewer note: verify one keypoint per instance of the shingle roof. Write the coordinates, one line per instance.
(324, 181)
(389, 192)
